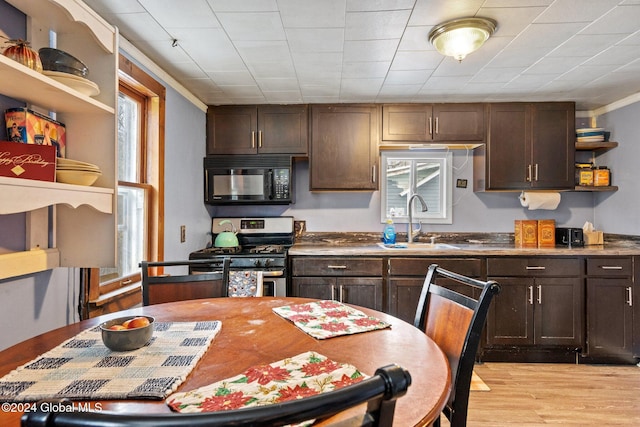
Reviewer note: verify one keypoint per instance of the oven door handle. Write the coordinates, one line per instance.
(275, 273)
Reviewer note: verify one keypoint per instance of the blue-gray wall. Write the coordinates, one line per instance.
(618, 212)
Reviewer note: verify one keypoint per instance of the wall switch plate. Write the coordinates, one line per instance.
(183, 233)
(461, 183)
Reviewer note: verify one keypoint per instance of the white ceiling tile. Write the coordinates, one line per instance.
(517, 3)
(570, 11)
(115, 6)
(373, 5)
(315, 40)
(496, 75)
(278, 85)
(621, 20)
(416, 38)
(370, 50)
(376, 25)
(545, 35)
(586, 44)
(252, 26)
(365, 69)
(140, 26)
(555, 65)
(511, 21)
(616, 55)
(513, 58)
(429, 12)
(243, 6)
(312, 13)
(236, 78)
(283, 97)
(191, 14)
(417, 77)
(409, 60)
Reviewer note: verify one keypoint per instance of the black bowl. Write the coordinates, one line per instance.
(126, 339)
(58, 60)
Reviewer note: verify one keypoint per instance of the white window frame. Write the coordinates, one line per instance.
(445, 213)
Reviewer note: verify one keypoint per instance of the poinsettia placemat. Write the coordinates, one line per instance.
(327, 319)
(83, 368)
(306, 374)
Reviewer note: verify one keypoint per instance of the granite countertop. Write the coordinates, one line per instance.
(451, 244)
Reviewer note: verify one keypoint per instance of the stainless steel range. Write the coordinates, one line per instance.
(263, 243)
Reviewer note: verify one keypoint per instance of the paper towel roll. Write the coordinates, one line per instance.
(540, 200)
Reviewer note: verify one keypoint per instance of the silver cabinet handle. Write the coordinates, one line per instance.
(437, 127)
(528, 179)
(259, 139)
(333, 292)
(253, 139)
(630, 295)
(611, 267)
(535, 267)
(430, 126)
(539, 294)
(337, 267)
(374, 176)
(535, 174)
(531, 295)
(341, 293)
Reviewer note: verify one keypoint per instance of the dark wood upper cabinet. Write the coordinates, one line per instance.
(433, 122)
(529, 146)
(264, 129)
(344, 147)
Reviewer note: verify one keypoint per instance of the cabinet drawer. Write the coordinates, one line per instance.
(336, 266)
(533, 267)
(471, 267)
(609, 266)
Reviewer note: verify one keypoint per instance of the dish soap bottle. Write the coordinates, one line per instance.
(389, 233)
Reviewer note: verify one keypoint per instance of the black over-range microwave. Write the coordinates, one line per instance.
(251, 179)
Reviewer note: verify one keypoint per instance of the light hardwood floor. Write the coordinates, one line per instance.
(540, 394)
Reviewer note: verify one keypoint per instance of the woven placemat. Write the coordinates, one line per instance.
(83, 368)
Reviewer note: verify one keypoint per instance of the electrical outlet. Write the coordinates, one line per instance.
(183, 233)
(461, 183)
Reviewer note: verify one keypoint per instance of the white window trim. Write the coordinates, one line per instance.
(445, 158)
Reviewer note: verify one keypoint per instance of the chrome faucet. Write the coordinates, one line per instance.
(410, 231)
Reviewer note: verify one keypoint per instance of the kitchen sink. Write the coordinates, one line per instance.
(418, 246)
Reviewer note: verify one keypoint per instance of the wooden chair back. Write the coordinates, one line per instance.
(157, 289)
(454, 320)
(379, 391)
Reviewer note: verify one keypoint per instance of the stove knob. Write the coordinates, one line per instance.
(256, 263)
(267, 262)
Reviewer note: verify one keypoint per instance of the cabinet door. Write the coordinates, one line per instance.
(508, 148)
(314, 287)
(558, 311)
(407, 123)
(232, 130)
(283, 129)
(362, 291)
(343, 153)
(553, 145)
(510, 320)
(610, 317)
(404, 294)
(458, 122)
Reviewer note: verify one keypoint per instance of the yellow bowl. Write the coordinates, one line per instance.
(77, 177)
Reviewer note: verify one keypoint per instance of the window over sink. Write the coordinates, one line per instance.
(427, 173)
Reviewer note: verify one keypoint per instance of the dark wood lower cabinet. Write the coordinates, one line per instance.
(610, 309)
(353, 280)
(406, 277)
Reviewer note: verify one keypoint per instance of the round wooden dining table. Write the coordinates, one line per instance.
(252, 334)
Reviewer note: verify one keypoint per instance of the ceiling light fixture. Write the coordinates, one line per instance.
(460, 37)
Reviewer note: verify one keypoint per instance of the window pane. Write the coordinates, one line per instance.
(128, 138)
(398, 185)
(428, 184)
(131, 233)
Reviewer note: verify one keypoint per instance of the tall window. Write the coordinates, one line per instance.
(140, 119)
(428, 174)
(133, 189)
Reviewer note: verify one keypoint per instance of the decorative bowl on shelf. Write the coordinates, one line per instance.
(58, 60)
(77, 177)
(127, 333)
